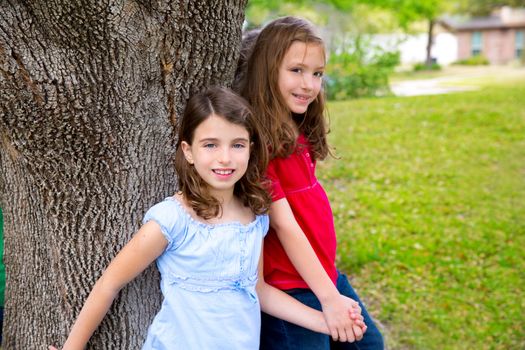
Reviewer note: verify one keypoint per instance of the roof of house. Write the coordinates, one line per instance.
(503, 18)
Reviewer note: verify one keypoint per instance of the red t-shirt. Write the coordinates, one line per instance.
(294, 178)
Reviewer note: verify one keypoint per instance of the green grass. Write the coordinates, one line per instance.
(428, 196)
(475, 76)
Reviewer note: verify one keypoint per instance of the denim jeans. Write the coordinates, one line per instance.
(277, 334)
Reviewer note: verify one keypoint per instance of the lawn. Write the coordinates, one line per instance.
(428, 196)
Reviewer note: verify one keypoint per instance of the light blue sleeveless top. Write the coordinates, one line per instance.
(208, 277)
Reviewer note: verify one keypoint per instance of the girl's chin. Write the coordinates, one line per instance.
(298, 110)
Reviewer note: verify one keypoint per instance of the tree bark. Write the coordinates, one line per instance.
(90, 94)
(430, 42)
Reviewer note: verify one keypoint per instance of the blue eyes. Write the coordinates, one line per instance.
(300, 70)
(213, 145)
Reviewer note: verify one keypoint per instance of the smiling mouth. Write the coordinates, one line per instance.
(302, 97)
(223, 172)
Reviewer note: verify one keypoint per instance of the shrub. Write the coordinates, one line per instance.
(353, 74)
(423, 66)
(478, 60)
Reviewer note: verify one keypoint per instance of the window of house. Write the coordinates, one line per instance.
(476, 43)
(520, 43)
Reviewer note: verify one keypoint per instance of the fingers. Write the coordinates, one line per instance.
(352, 331)
(356, 307)
(335, 334)
(344, 328)
(355, 333)
(358, 332)
(350, 337)
(359, 321)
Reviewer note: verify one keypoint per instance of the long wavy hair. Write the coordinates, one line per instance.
(250, 189)
(259, 85)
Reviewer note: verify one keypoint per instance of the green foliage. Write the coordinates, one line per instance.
(485, 7)
(260, 11)
(428, 196)
(418, 67)
(410, 11)
(478, 60)
(353, 74)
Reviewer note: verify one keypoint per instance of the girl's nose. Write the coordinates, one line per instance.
(307, 82)
(224, 156)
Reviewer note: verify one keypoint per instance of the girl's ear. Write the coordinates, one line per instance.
(186, 149)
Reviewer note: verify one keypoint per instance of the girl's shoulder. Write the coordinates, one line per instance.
(173, 212)
(173, 218)
(169, 206)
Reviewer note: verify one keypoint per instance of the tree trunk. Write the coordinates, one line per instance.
(90, 94)
(430, 42)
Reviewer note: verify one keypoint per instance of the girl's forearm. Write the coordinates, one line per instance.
(95, 308)
(279, 304)
(300, 252)
(306, 262)
(145, 246)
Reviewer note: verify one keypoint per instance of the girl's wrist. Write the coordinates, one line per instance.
(322, 327)
(328, 296)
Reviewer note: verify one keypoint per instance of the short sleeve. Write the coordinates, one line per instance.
(277, 191)
(265, 224)
(172, 220)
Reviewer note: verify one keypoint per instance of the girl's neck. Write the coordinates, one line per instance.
(225, 198)
(295, 120)
(232, 209)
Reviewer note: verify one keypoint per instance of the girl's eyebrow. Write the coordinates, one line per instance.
(301, 64)
(241, 139)
(208, 139)
(215, 139)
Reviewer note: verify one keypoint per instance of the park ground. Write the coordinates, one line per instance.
(454, 79)
(428, 194)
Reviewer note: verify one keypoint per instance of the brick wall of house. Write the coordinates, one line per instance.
(463, 45)
(498, 45)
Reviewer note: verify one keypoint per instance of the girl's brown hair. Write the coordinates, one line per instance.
(226, 104)
(260, 87)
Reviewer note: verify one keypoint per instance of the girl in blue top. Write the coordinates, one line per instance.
(206, 240)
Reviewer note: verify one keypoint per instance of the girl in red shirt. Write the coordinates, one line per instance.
(282, 79)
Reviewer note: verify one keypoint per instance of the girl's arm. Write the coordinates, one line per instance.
(277, 303)
(302, 255)
(147, 244)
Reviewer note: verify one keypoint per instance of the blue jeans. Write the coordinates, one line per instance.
(277, 334)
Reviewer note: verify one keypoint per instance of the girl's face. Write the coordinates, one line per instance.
(300, 75)
(220, 152)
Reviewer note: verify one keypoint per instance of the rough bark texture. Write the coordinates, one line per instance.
(90, 92)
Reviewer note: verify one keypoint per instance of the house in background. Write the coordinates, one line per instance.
(412, 47)
(500, 38)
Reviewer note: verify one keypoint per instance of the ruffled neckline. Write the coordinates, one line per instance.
(217, 225)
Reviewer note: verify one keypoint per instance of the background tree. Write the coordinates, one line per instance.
(410, 11)
(90, 97)
(485, 7)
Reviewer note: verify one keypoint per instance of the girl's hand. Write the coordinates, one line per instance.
(359, 327)
(343, 318)
(354, 325)
(51, 347)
